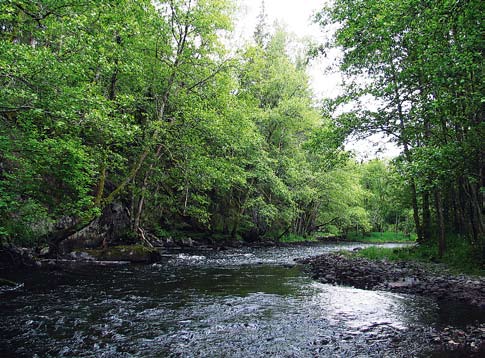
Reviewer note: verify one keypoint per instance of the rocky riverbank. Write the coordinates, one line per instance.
(402, 277)
(409, 278)
(12, 257)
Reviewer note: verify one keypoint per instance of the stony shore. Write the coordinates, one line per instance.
(402, 277)
(409, 278)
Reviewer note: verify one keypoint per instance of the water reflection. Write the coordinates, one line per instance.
(231, 304)
(364, 310)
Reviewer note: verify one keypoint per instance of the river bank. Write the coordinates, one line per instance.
(409, 278)
(43, 257)
(401, 277)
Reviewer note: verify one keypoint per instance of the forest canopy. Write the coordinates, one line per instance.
(141, 104)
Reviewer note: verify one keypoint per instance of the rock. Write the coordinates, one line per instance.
(112, 225)
(186, 241)
(131, 253)
(81, 256)
(12, 256)
(404, 283)
(44, 251)
(77, 265)
(7, 283)
(403, 277)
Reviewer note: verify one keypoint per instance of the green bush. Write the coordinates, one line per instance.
(22, 223)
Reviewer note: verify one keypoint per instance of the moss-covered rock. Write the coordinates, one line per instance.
(132, 253)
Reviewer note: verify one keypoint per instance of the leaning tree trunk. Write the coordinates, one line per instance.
(110, 227)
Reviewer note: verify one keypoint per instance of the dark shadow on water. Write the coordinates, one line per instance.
(233, 304)
(458, 314)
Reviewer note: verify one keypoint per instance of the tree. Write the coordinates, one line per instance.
(421, 63)
(138, 106)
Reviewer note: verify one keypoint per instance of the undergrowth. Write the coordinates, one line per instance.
(460, 257)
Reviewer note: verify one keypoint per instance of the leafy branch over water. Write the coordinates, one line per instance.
(142, 106)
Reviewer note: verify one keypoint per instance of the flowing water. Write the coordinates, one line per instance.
(236, 303)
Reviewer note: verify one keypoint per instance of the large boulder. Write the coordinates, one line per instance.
(109, 228)
(186, 241)
(12, 257)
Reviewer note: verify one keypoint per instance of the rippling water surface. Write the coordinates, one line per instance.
(236, 303)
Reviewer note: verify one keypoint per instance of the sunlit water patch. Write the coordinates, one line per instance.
(236, 303)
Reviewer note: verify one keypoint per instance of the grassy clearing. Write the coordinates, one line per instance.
(381, 237)
(460, 257)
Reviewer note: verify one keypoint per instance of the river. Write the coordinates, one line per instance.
(234, 303)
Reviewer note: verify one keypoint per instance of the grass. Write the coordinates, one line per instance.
(381, 237)
(391, 254)
(460, 257)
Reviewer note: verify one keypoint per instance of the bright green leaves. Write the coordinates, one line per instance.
(139, 102)
(68, 104)
(423, 66)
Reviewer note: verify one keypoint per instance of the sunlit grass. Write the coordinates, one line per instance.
(460, 257)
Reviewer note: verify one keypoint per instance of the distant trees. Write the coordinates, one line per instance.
(387, 200)
(422, 63)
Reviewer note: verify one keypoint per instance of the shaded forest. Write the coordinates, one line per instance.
(142, 106)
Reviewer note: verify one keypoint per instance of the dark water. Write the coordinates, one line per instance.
(237, 303)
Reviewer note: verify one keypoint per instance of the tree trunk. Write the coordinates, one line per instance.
(426, 217)
(100, 191)
(441, 223)
(407, 152)
(414, 201)
(235, 226)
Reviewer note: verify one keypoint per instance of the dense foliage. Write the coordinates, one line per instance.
(139, 103)
(421, 65)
